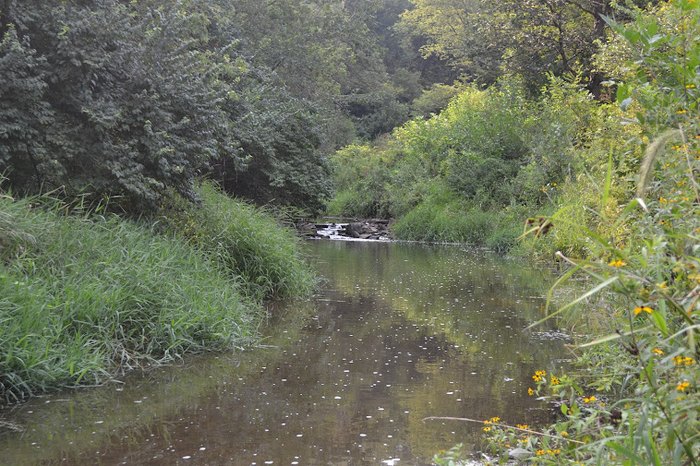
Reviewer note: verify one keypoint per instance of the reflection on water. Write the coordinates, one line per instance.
(398, 333)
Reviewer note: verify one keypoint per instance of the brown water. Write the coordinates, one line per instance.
(398, 333)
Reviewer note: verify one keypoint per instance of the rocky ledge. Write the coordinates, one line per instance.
(369, 230)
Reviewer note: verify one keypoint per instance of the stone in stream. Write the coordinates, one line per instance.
(354, 230)
(366, 230)
(519, 454)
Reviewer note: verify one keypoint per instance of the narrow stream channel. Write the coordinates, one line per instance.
(398, 332)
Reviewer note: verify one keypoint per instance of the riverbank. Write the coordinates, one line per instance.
(87, 296)
(395, 333)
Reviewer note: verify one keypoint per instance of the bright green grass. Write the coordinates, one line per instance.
(452, 222)
(246, 241)
(82, 298)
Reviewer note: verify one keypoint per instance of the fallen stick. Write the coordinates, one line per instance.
(501, 425)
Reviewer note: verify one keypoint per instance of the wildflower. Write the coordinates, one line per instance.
(539, 375)
(487, 429)
(690, 86)
(662, 285)
(589, 399)
(639, 309)
(683, 386)
(556, 451)
(658, 351)
(683, 361)
(530, 391)
(495, 419)
(564, 433)
(681, 111)
(540, 452)
(617, 263)
(555, 380)
(522, 426)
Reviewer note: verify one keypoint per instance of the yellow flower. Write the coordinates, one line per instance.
(683, 386)
(690, 86)
(530, 391)
(522, 426)
(564, 434)
(658, 351)
(495, 419)
(555, 380)
(617, 263)
(683, 361)
(681, 112)
(639, 309)
(589, 399)
(486, 429)
(539, 375)
(540, 452)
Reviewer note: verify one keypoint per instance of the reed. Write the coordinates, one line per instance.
(85, 297)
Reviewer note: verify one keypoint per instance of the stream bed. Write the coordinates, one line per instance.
(397, 333)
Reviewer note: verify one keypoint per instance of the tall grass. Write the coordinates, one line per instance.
(81, 298)
(246, 241)
(437, 219)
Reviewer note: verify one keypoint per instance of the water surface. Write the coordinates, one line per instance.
(399, 332)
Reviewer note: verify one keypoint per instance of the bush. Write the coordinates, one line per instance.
(636, 401)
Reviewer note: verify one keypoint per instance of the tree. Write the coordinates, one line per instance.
(487, 39)
(134, 94)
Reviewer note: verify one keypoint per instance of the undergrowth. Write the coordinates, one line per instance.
(246, 241)
(85, 296)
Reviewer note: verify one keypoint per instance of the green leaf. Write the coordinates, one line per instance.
(660, 322)
(583, 297)
(627, 453)
(611, 337)
(608, 182)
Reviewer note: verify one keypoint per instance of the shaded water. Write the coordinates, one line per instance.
(399, 332)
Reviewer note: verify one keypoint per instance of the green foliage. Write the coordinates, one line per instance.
(247, 242)
(134, 93)
(361, 178)
(451, 457)
(636, 401)
(486, 39)
(82, 298)
(434, 99)
(475, 171)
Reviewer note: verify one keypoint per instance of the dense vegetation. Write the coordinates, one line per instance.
(85, 295)
(111, 107)
(134, 100)
(603, 160)
(573, 121)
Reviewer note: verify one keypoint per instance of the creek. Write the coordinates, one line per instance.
(397, 333)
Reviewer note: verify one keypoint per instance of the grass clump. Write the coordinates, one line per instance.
(246, 241)
(82, 298)
(444, 217)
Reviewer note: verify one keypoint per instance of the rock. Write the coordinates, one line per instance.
(354, 230)
(519, 454)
